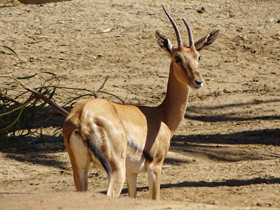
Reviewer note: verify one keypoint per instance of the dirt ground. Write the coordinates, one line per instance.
(225, 154)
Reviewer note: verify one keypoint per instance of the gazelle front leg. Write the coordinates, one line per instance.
(154, 177)
(131, 184)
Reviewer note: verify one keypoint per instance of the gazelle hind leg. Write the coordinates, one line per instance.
(131, 184)
(80, 160)
(154, 178)
(116, 180)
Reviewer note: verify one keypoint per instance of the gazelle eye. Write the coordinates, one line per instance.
(199, 58)
(178, 59)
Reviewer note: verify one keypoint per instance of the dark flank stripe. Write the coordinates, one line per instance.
(146, 155)
(99, 155)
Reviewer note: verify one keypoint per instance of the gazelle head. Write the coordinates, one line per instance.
(185, 59)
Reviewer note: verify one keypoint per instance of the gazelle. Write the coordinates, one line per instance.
(126, 139)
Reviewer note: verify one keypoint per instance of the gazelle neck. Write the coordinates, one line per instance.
(175, 102)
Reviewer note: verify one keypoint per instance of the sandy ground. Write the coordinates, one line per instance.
(225, 154)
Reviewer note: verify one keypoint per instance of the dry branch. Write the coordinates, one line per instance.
(45, 99)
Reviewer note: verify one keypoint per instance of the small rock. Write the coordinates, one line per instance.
(201, 10)
(274, 20)
(107, 30)
(31, 59)
(227, 91)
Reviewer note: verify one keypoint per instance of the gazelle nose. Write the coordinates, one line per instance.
(198, 83)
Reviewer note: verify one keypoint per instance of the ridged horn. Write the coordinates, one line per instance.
(191, 42)
(175, 27)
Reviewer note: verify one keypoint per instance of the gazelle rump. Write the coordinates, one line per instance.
(126, 139)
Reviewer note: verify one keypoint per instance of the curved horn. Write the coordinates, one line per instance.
(175, 27)
(189, 32)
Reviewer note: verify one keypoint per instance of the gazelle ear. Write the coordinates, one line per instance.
(207, 40)
(164, 43)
